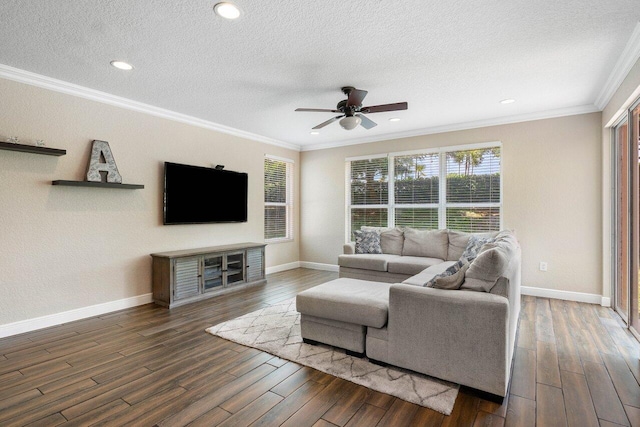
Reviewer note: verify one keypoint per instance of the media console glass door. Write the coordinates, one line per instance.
(212, 273)
(235, 270)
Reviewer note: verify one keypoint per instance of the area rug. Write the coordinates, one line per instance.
(276, 330)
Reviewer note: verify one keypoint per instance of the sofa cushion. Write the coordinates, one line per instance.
(360, 302)
(427, 274)
(391, 239)
(491, 263)
(376, 262)
(425, 243)
(458, 241)
(375, 276)
(367, 242)
(411, 264)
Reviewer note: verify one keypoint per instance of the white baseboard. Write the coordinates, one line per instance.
(319, 266)
(69, 316)
(282, 267)
(566, 295)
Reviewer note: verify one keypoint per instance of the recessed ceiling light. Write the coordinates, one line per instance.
(121, 65)
(314, 132)
(507, 101)
(227, 10)
(394, 119)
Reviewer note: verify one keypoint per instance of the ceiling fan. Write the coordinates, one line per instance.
(352, 112)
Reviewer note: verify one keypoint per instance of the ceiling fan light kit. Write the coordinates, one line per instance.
(350, 122)
(352, 111)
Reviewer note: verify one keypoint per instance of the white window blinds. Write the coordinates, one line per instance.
(278, 218)
(473, 190)
(369, 192)
(416, 190)
(369, 182)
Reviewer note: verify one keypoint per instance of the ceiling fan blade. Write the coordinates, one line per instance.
(385, 107)
(318, 110)
(328, 122)
(356, 96)
(366, 122)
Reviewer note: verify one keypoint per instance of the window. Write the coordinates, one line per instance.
(457, 188)
(278, 203)
(416, 190)
(473, 190)
(369, 192)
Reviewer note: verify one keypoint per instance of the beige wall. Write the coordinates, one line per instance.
(621, 100)
(65, 248)
(552, 185)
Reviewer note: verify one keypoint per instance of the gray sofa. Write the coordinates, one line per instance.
(465, 336)
(405, 253)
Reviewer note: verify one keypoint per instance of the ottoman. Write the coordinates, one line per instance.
(338, 312)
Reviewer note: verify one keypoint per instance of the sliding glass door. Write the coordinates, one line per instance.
(634, 140)
(623, 223)
(627, 217)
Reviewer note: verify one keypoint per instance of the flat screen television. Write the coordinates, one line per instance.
(196, 195)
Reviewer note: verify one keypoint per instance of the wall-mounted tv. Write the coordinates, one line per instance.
(195, 195)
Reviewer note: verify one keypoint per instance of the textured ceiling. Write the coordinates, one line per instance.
(451, 61)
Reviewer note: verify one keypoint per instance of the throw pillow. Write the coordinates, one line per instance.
(452, 282)
(367, 242)
(448, 272)
(391, 238)
(474, 246)
(492, 262)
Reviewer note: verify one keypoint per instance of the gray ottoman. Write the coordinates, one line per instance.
(338, 312)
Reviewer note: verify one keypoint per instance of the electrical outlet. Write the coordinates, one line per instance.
(543, 266)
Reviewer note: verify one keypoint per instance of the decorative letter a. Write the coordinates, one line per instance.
(100, 150)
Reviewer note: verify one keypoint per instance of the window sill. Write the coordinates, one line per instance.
(283, 240)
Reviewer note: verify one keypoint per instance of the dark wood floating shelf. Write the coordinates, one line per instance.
(97, 184)
(32, 149)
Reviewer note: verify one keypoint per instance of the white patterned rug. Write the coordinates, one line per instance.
(276, 330)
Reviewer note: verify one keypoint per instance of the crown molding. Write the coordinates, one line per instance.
(626, 61)
(38, 80)
(528, 117)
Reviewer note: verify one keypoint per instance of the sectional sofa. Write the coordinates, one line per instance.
(465, 336)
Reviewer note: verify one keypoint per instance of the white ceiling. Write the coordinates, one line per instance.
(451, 61)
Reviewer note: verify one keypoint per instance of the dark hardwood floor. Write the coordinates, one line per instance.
(575, 365)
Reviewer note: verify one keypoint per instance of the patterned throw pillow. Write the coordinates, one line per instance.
(474, 246)
(368, 242)
(454, 281)
(448, 272)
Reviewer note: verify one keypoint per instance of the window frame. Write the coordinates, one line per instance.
(442, 204)
(288, 204)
